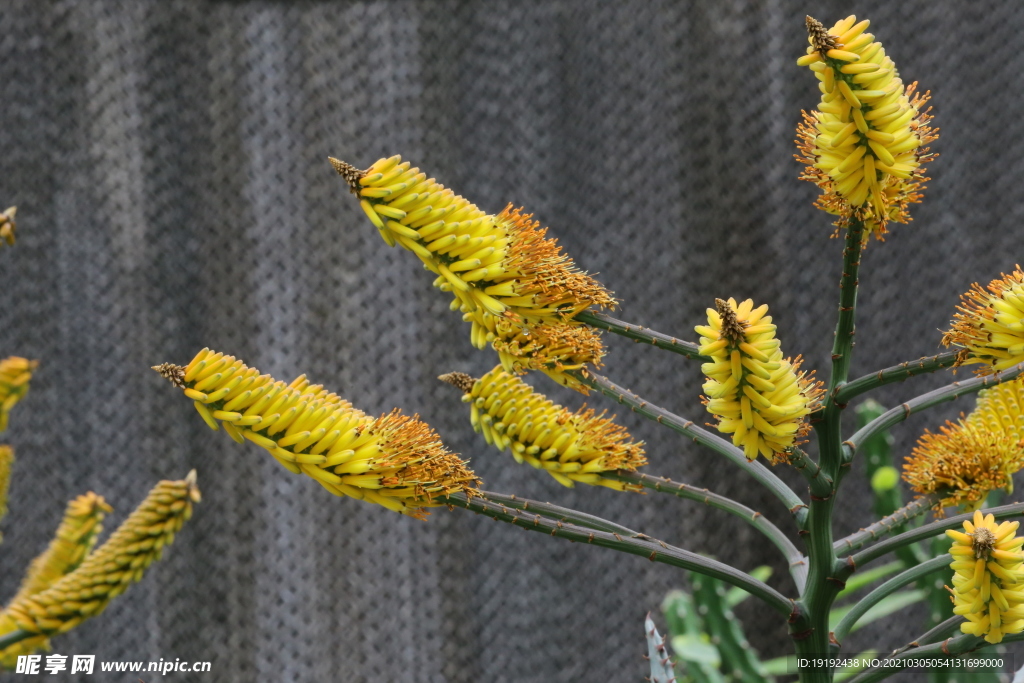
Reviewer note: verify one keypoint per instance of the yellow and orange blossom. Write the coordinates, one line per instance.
(989, 324)
(510, 281)
(393, 460)
(865, 145)
(759, 397)
(988, 581)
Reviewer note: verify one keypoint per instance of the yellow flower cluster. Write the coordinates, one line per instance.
(757, 395)
(571, 447)
(988, 580)
(106, 573)
(509, 280)
(969, 458)
(73, 541)
(989, 324)
(864, 146)
(7, 226)
(15, 374)
(6, 463)
(393, 460)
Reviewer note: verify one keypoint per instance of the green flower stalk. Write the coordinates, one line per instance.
(110, 570)
(394, 460)
(570, 446)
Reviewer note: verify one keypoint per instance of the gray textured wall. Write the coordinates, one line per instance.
(169, 163)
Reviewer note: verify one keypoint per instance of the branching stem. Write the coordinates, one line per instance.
(642, 334)
(896, 373)
(645, 546)
(700, 435)
(797, 561)
(886, 524)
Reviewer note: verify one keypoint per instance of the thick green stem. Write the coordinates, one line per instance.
(886, 524)
(845, 328)
(689, 428)
(888, 588)
(822, 582)
(896, 373)
(932, 398)
(642, 334)
(645, 546)
(851, 563)
(797, 561)
(820, 484)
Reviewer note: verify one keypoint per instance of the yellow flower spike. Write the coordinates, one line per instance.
(7, 226)
(15, 373)
(508, 278)
(551, 349)
(983, 590)
(572, 447)
(989, 324)
(73, 541)
(6, 463)
(759, 397)
(979, 453)
(111, 569)
(312, 431)
(866, 144)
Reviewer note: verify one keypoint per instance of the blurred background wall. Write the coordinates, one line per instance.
(169, 164)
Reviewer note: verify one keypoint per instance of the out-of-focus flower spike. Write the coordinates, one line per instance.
(989, 324)
(759, 397)
(866, 145)
(6, 464)
(106, 573)
(72, 543)
(393, 460)
(978, 454)
(509, 279)
(572, 447)
(987, 575)
(15, 373)
(7, 226)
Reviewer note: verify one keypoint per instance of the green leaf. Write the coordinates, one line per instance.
(884, 607)
(661, 663)
(696, 650)
(860, 580)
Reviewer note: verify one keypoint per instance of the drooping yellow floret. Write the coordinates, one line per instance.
(73, 541)
(757, 395)
(979, 453)
(570, 446)
(988, 579)
(866, 144)
(15, 374)
(989, 324)
(106, 573)
(7, 226)
(393, 460)
(508, 278)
